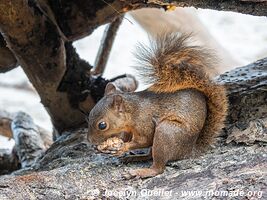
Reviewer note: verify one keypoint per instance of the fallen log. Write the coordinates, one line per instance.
(29, 144)
(39, 34)
(31, 141)
(73, 169)
(6, 119)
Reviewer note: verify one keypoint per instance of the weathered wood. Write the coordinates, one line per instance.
(57, 72)
(9, 161)
(72, 169)
(247, 91)
(126, 84)
(7, 58)
(252, 7)
(105, 46)
(5, 123)
(256, 131)
(36, 32)
(79, 173)
(40, 50)
(28, 141)
(7, 118)
(79, 18)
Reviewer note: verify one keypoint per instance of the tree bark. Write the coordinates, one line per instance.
(79, 18)
(29, 144)
(40, 50)
(251, 7)
(72, 169)
(106, 46)
(30, 141)
(9, 162)
(7, 59)
(247, 88)
(38, 34)
(6, 119)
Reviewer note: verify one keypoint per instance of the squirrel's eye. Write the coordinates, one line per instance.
(102, 125)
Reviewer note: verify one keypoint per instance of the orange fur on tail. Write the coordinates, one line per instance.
(171, 64)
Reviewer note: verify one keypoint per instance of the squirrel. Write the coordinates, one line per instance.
(178, 116)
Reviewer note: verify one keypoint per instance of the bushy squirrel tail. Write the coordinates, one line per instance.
(171, 64)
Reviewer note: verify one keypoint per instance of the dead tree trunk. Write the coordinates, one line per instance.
(72, 169)
(40, 50)
(39, 33)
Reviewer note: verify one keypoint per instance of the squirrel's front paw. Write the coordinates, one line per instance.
(112, 146)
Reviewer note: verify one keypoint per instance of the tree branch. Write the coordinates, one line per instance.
(7, 59)
(74, 164)
(6, 119)
(105, 46)
(79, 18)
(30, 141)
(252, 8)
(38, 45)
(29, 144)
(36, 34)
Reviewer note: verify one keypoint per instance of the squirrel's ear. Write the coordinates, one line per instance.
(118, 103)
(111, 88)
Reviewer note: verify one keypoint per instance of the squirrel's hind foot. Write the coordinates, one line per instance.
(143, 173)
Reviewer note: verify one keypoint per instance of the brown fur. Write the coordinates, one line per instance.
(171, 65)
(182, 111)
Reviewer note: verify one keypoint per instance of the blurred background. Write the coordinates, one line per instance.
(240, 39)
